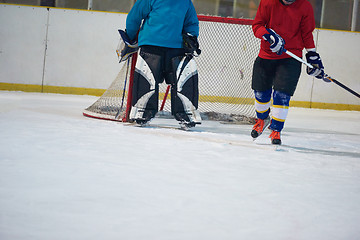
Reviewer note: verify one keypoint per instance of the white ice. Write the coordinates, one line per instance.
(64, 176)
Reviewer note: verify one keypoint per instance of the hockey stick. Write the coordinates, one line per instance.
(123, 95)
(325, 75)
(165, 96)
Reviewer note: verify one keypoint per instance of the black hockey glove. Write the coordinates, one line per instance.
(129, 47)
(314, 59)
(190, 44)
(276, 42)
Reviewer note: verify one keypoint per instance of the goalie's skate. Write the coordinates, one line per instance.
(259, 127)
(142, 122)
(187, 125)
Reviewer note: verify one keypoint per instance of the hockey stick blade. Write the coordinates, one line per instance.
(325, 75)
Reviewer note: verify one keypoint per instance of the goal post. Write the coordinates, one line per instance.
(229, 49)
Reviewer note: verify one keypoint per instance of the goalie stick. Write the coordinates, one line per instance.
(124, 89)
(325, 75)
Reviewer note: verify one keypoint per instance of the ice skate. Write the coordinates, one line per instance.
(275, 137)
(259, 127)
(142, 122)
(187, 125)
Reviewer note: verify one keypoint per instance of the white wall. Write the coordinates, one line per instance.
(80, 46)
(22, 44)
(80, 52)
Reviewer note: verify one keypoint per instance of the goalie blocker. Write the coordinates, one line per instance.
(154, 64)
(126, 46)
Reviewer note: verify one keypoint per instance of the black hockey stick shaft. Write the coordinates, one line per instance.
(342, 85)
(325, 75)
(124, 89)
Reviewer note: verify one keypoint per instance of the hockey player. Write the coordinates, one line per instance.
(163, 25)
(281, 24)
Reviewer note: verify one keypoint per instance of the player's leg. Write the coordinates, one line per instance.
(183, 77)
(262, 80)
(287, 77)
(262, 108)
(148, 73)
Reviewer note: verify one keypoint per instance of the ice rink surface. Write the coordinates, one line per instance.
(66, 176)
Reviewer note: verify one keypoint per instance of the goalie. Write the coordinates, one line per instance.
(167, 40)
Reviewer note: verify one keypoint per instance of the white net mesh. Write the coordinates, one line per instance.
(112, 105)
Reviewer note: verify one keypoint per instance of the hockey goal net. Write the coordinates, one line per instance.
(229, 49)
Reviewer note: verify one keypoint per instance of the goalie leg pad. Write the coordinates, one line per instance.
(146, 88)
(185, 91)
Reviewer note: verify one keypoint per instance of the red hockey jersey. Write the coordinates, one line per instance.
(294, 23)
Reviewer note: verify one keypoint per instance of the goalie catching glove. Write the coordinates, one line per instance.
(276, 42)
(190, 44)
(317, 71)
(128, 47)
